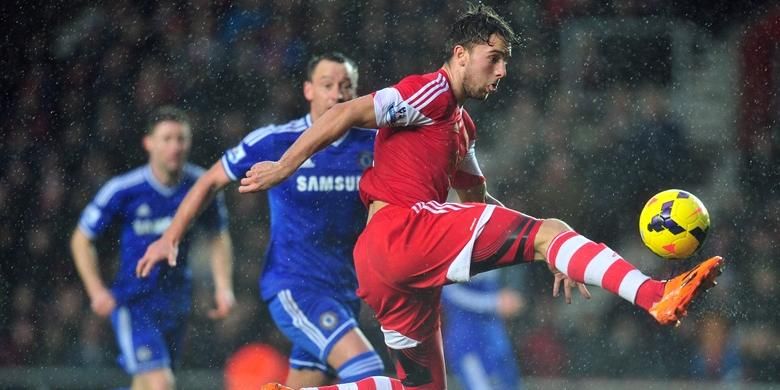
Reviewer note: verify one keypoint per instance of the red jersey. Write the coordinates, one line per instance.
(424, 146)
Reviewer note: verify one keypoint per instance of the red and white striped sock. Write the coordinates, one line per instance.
(596, 264)
(370, 383)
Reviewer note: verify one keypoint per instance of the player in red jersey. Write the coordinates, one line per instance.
(415, 243)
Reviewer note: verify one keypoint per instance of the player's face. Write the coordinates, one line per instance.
(331, 83)
(168, 145)
(486, 66)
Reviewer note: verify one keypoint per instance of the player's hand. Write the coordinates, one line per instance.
(263, 176)
(103, 303)
(162, 249)
(568, 284)
(225, 301)
(510, 303)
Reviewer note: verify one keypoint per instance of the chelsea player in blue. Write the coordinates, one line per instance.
(475, 340)
(309, 279)
(149, 315)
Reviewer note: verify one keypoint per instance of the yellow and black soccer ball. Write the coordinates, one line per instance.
(673, 224)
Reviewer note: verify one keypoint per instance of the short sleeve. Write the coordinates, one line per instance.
(100, 212)
(414, 101)
(256, 146)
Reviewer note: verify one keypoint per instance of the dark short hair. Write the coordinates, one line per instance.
(475, 27)
(166, 113)
(329, 56)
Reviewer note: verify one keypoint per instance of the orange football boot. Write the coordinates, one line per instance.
(275, 386)
(680, 290)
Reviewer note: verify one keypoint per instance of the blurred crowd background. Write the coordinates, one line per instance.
(606, 103)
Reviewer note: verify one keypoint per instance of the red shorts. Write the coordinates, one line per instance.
(406, 255)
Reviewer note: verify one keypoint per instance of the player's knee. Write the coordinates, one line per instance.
(361, 366)
(549, 229)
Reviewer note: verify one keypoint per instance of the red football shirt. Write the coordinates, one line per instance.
(425, 143)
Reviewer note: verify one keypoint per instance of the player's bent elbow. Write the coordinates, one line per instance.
(215, 179)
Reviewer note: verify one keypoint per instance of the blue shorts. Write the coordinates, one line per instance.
(314, 323)
(148, 339)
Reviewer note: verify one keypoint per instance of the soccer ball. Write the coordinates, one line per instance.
(673, 224)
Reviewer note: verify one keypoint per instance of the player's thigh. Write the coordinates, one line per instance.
(160, 379)
(313, 321)
(406, 317)
(142, 344)
(509, 237)
(421, 247)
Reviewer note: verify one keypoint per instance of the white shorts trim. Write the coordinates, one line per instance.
(125, 330)
(396, 340)
(460, 268)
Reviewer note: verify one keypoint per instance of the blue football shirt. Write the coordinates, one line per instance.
(145, 207)
(316, 214)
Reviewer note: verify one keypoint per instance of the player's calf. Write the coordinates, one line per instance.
(508, 238)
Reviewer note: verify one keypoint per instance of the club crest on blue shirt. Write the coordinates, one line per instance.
(328, 320)
(365, 159)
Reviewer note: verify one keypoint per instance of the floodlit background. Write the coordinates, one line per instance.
(606, 103)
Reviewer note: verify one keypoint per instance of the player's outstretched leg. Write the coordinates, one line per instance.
(370, 383)
(596, 264)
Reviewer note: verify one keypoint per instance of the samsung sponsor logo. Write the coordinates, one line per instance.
(327, 183)
(142, 227)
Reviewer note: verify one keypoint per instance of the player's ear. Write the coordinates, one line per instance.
(308, 90)
(460, 55)
(147, 142)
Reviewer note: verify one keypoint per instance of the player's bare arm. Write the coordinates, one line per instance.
(86, 259)
(167, 246)
(328, 128)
